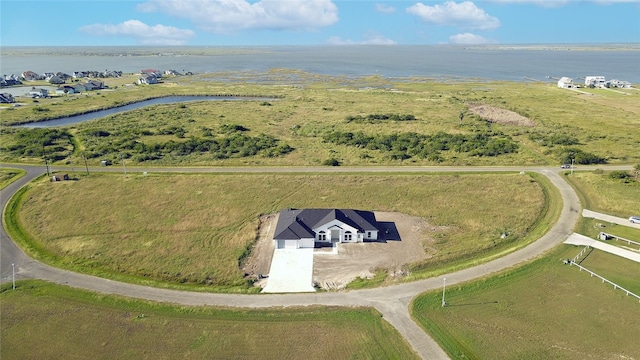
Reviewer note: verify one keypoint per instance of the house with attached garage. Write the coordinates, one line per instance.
(308, 228)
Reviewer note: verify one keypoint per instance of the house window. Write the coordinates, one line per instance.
(369, 234)
(322, 236)
(347, 236)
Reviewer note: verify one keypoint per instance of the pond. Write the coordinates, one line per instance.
(74, 119)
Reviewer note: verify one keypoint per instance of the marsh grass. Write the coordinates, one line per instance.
(604, 124)
(44, 320)
(193, 229)
(542, 310)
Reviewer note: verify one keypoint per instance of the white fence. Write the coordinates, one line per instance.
(615, 286)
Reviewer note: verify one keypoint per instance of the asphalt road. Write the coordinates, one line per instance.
(391, 301)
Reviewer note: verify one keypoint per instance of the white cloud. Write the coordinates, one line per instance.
(225, 16)
(382, 8)
(559, 3)
(143, 33)
(469, 39)
(464, 15)
(370, 38)
(543, 3)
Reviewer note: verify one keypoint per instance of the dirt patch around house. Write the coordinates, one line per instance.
(500, 116)
(408, 241)
(259, 261)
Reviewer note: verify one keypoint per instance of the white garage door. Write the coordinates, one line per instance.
(287, 244)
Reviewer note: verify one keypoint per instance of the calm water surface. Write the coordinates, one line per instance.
(490, 63)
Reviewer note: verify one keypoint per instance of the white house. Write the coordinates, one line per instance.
(307, 228)
(615, 83)
(38, 93)
(147, 79)
(594, 81)
(565, 83)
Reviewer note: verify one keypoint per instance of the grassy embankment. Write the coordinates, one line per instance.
(315, 106)
(43, 320)
(7, 176)
(547, 309)
(194, 230)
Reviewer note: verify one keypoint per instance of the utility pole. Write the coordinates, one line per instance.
(46, 162)
(444, 286)
(123, 167)
(572, 161)
(85, 163)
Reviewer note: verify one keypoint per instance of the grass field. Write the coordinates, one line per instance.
(7, 176)
(547, 309)
(598, 192)
(544, 310)
(195, 229)
(44, 320)
(319, 105)
(603, 194)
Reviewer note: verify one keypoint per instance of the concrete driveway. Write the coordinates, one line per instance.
(291, 271)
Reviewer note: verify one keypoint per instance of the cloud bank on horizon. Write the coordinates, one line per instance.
(334, 22)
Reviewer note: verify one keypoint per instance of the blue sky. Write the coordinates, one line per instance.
(316, 22)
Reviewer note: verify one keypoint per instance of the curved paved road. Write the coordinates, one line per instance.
(391, 301)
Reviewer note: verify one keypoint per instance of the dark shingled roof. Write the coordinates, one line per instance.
(296, 224)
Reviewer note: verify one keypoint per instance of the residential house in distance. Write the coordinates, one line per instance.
(10, 80)
(39, 93)
(31, 76)
(67, 89)
(615, 83)
(594, 81)
(147, 80)
(56, 80)
(6, 98)
(566, 83)
(94, 85)
(308, 228)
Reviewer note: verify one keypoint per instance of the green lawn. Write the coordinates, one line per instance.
(47, 321)
(543, 310)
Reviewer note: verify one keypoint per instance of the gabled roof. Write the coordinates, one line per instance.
(298, 224)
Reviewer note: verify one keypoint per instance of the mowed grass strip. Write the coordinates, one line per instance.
(43, 320)
(194, 229)
(544, 310)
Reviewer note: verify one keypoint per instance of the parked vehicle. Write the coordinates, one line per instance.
(635, 219)
(565, 166)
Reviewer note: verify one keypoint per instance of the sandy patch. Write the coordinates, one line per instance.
(499, 116)
(334, 271)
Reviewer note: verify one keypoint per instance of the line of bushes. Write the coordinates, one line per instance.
(373, 118)
(406, 145)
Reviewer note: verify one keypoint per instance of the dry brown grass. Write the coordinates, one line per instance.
(195, 228)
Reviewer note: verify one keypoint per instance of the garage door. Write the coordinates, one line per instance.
(287, 244)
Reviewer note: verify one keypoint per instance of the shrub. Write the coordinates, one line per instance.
(331, 162)
(619, 174)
